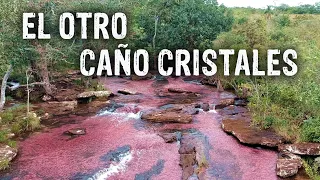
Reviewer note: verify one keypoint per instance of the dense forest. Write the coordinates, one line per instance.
(288, 105)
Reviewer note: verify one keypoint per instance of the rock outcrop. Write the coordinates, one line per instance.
(76, 132)
(127, 92)
(224, 103)
(310, 149)
(170, 114)
(232, 110)
(167, 116)
(208, 81)
(94, 94)
(187, 153)
(205, 106)
(178, 90)
(169, 137)
(193, 151)
(7, 154)
(248, 134)
(139, 78)
(288, 164)
(89, 95)
(61, 108)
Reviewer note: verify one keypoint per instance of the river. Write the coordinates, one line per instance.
(119, 145)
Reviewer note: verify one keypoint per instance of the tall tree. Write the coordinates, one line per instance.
(185, 24)
(14, 51)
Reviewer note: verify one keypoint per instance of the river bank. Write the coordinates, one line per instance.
(125, 138)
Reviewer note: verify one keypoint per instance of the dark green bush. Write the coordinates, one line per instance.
(242, 20)
(283, 20)
(311, 130)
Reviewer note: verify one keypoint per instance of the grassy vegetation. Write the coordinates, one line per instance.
(4, 164)
(16, 120)
(290, 106)
(311, 168)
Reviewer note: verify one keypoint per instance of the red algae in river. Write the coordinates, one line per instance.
(52, 155)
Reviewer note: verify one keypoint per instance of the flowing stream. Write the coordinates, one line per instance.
(119, 145)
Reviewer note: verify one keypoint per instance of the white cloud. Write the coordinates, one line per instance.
(265, 3)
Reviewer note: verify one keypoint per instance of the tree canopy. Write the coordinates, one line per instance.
(185, 24)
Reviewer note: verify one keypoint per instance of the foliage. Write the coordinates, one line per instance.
(282, 20)
(181, 24)
(255, 32)
(4, 164)
(56, 54)
(301, 9)
(3, 136)
(19, 121)
(5, 139)
(311, 168)
(311, 130)
(16, 120)
(13, 49)
(290, 106)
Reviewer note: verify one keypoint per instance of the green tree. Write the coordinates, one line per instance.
(179, 24)
(254, 31)
(15, 53)
(185, 24)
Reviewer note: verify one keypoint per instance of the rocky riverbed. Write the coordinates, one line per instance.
(160, 128)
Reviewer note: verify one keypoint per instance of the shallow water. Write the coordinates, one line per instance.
(119, 145)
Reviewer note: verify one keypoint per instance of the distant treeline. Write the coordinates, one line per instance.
(302, 9)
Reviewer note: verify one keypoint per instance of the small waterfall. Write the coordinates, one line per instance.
(213, 108)
(114, 168)
(121, 111)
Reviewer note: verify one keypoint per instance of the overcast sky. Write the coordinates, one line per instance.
(264, 3)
